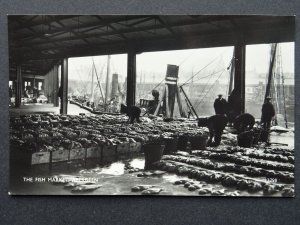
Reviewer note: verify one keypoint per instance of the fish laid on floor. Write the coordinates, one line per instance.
(86, 187)
(152, 191)
(149, 173)
(78, 183)
(141, 187)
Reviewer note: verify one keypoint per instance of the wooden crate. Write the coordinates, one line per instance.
(123, 149)
(93, 152)
(135, 147)
(109, 153)
(60, 155)
(77, 153)
(40, 158)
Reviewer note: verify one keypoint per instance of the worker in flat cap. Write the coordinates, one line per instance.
(220, 105)
(268, 113)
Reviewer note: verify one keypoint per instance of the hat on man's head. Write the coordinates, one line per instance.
(269, 97)
(220, 95)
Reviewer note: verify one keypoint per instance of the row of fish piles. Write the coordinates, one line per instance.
(51, 132)
(266, 171)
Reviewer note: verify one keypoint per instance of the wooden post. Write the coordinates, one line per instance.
(131, 78)
(239, 76)
(64, 85)
(55, 87)
(231, 74)
(270, 76)
(114, 86)
(181, 110)
(18, 97)
(171, 83)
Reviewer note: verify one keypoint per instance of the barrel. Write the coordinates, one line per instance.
(153, 153)
(245, 141)
(198, 142)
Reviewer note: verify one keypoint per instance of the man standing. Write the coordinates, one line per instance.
(10, 94)
(268, 112)
(220, 105)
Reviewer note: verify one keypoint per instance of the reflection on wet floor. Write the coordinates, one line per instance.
(284, 138)
(116, 168)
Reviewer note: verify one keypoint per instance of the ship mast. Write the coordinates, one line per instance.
(107, 79)
(92, 86)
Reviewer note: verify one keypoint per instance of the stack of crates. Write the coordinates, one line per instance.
(88, 156)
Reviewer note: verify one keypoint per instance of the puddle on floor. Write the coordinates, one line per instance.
(138, 163)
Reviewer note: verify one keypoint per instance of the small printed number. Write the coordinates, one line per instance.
(274, 180)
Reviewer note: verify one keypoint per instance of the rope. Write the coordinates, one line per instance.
(185, 59)
(205, 67)
(208, 83)
(94, 67)
(137, 101)
(210, 89)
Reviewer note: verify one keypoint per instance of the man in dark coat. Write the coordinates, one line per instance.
(268, 112)
(215, 124)
(10, 93)
(220, 105)
(243, 122)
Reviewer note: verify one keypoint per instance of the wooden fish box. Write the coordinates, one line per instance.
(40, 158)
(93, 152)
(60, 155)
(77, 153)
(109, 153)
(123, 149)
(135, 147)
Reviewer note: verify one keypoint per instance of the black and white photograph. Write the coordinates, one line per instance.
(163, 105)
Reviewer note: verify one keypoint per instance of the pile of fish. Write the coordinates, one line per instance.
(49, 132)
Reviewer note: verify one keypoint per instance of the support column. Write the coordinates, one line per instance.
(131, 78)
(18, 95)
(239, 77)
(64, 86)
(46, 84)
(55, 87)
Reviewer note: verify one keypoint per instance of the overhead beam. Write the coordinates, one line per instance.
(75, 25)
(254, 36)
(131, 30)
(27, 24)
(168, 27)
(111, 26)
